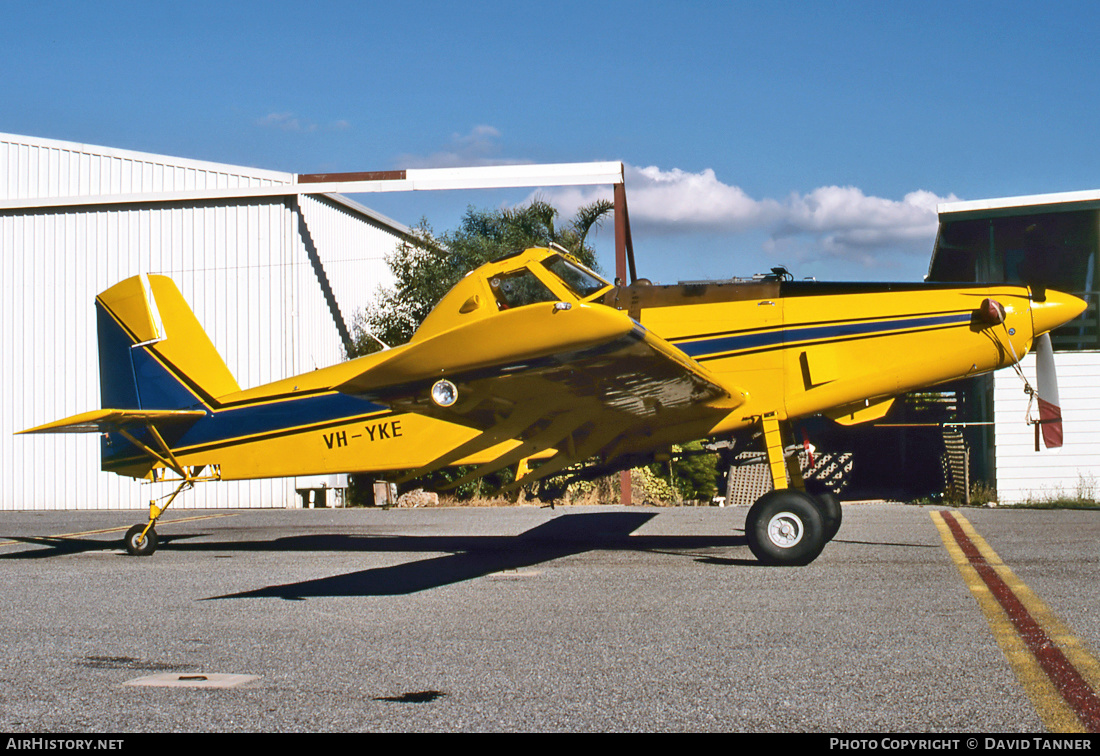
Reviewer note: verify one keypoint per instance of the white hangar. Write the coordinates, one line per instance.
(275, 278)
(1046, 240)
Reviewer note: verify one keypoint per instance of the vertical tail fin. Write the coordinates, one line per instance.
(153, 354)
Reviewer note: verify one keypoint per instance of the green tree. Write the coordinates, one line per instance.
(691, 471)
(426, 267)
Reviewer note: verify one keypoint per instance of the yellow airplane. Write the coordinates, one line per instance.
(535, 361)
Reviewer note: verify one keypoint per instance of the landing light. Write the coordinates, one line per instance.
(444, 393)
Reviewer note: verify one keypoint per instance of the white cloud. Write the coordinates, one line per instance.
(830, 221)
(676, 198)
(480, 146)
(291, 122)
(286, 122)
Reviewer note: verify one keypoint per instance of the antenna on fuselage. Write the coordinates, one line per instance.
(385, 346)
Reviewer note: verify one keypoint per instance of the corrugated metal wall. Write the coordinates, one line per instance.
(34, 167)
(1023, 473)
(241, 265)
(355, 266)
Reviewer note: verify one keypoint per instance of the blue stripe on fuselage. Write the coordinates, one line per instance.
(748, 341)
(254, 420)
(278, 416)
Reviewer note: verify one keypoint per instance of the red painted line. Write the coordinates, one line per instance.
(1065, 677)
(317, 178)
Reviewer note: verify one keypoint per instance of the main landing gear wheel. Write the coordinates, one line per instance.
(138, 546)
(785, 527)
(830, 513)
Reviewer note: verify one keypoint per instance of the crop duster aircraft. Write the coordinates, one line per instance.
(535, 361)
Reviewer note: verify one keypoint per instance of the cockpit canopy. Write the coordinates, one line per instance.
(524, 286)
(526, 278)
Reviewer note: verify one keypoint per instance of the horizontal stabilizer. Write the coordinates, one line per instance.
(106, 420)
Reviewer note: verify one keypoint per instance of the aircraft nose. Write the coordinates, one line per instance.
(1057, 309)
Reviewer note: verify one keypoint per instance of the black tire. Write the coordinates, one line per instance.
(138, 546)
(785, 527)
(830, 513)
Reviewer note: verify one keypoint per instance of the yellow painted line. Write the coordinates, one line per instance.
(123, 528)
(1058, 673)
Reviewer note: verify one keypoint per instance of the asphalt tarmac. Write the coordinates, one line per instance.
(608, 619)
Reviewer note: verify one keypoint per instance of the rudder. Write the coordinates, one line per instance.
(153, 353)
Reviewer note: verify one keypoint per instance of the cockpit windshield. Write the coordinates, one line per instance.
(580, 280)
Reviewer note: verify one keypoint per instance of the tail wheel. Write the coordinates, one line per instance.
(136, 545)
(785, 527)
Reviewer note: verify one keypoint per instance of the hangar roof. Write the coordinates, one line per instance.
(39, 172)
(1048, 203)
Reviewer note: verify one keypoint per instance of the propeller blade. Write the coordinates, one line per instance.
(1050, 409)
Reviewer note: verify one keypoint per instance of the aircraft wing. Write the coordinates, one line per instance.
(583, 380)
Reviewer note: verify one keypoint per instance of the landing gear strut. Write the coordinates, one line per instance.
(141, 540)
(788, 526)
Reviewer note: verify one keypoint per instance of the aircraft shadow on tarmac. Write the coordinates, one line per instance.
(463, 557)
(470, 557)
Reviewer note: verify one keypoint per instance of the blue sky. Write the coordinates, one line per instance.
(820, 135)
